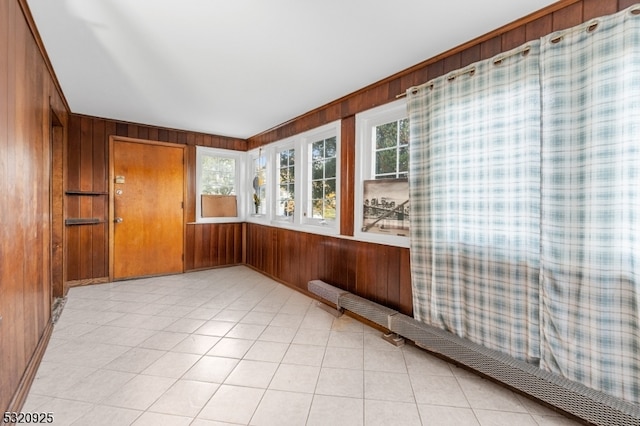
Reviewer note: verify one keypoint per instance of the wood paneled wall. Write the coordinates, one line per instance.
(28, 95)
(210, 245)
(87, 171)
(560, 15)
(378, 272)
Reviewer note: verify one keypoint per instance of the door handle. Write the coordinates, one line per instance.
(118, 220)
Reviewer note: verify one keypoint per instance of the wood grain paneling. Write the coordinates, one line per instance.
(87, 170)
(209, 245)
(560, 15)
(377, 272)
(382, 273)
(347, 174)
(28, 96)
(28, 88)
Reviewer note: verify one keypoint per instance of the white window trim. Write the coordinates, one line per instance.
(300, 143)
(240, 185)
(307, 139)
(364, 169)
(250, 158)
(276, 148)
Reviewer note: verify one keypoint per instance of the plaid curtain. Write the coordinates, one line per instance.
(590, 241)
(475, 214)
(525, 203)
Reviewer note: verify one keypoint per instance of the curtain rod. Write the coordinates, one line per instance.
(498, 59)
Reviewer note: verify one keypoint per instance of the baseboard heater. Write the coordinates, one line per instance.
(568, 396)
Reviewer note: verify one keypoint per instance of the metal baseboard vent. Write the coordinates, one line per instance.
(571, 397)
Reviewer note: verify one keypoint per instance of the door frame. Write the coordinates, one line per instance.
(185, 168)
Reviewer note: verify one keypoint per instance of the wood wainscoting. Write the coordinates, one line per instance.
(87, 196)
(377, 272)
(209, 245)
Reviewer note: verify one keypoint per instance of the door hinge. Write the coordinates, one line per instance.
(182, 205)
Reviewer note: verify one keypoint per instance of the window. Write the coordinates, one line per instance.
(382, 153)
(301, 183)
(218, 183)
(258, 179)
(286, 203)
(323, 180)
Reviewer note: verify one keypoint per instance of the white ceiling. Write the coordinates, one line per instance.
(239, 67)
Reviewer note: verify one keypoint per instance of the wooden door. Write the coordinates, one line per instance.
(147, 220)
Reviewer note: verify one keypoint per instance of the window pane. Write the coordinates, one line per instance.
(286, 188)
(330, 147)
(317, 150)
(404, 131)
(317, 190)
(330, 188)
(322, 191)
(218, 175)
(259, 185)
(387, 135)
(386, 161)
(330, 168)
(317, 170)
(403, 159)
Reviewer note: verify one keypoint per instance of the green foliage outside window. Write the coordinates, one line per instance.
(392, 150)
(323, 179)
(218, 175)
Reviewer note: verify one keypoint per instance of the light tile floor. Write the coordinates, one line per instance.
(230, 346)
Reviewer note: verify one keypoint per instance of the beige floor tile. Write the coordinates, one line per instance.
(388, 361)
(447, 416)
(336, 410)
(343, 358)
(96, 386)
(384, 413)
(135, 360)
(438, 390)
(102, 415)
(158, 419)
(163, 340)
(274, 333)
(246, 331)
(256, 374)
(278, 408)
(267, 351)
(172, 365)
(310, 336)
(140, 392)
(196, 344)
(380, 385)
(185, 398)
(304, 355)
(346, 339)
(232, 404)
(484, 394)
(231, 348)
(211, 369)
(503, 418)
(295, 378)
(340, 382)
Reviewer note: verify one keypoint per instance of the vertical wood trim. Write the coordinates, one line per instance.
(347, 174)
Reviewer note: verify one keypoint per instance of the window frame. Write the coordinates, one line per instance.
(307, 140)
(301, 143)
(365, 164)
(239, 183)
